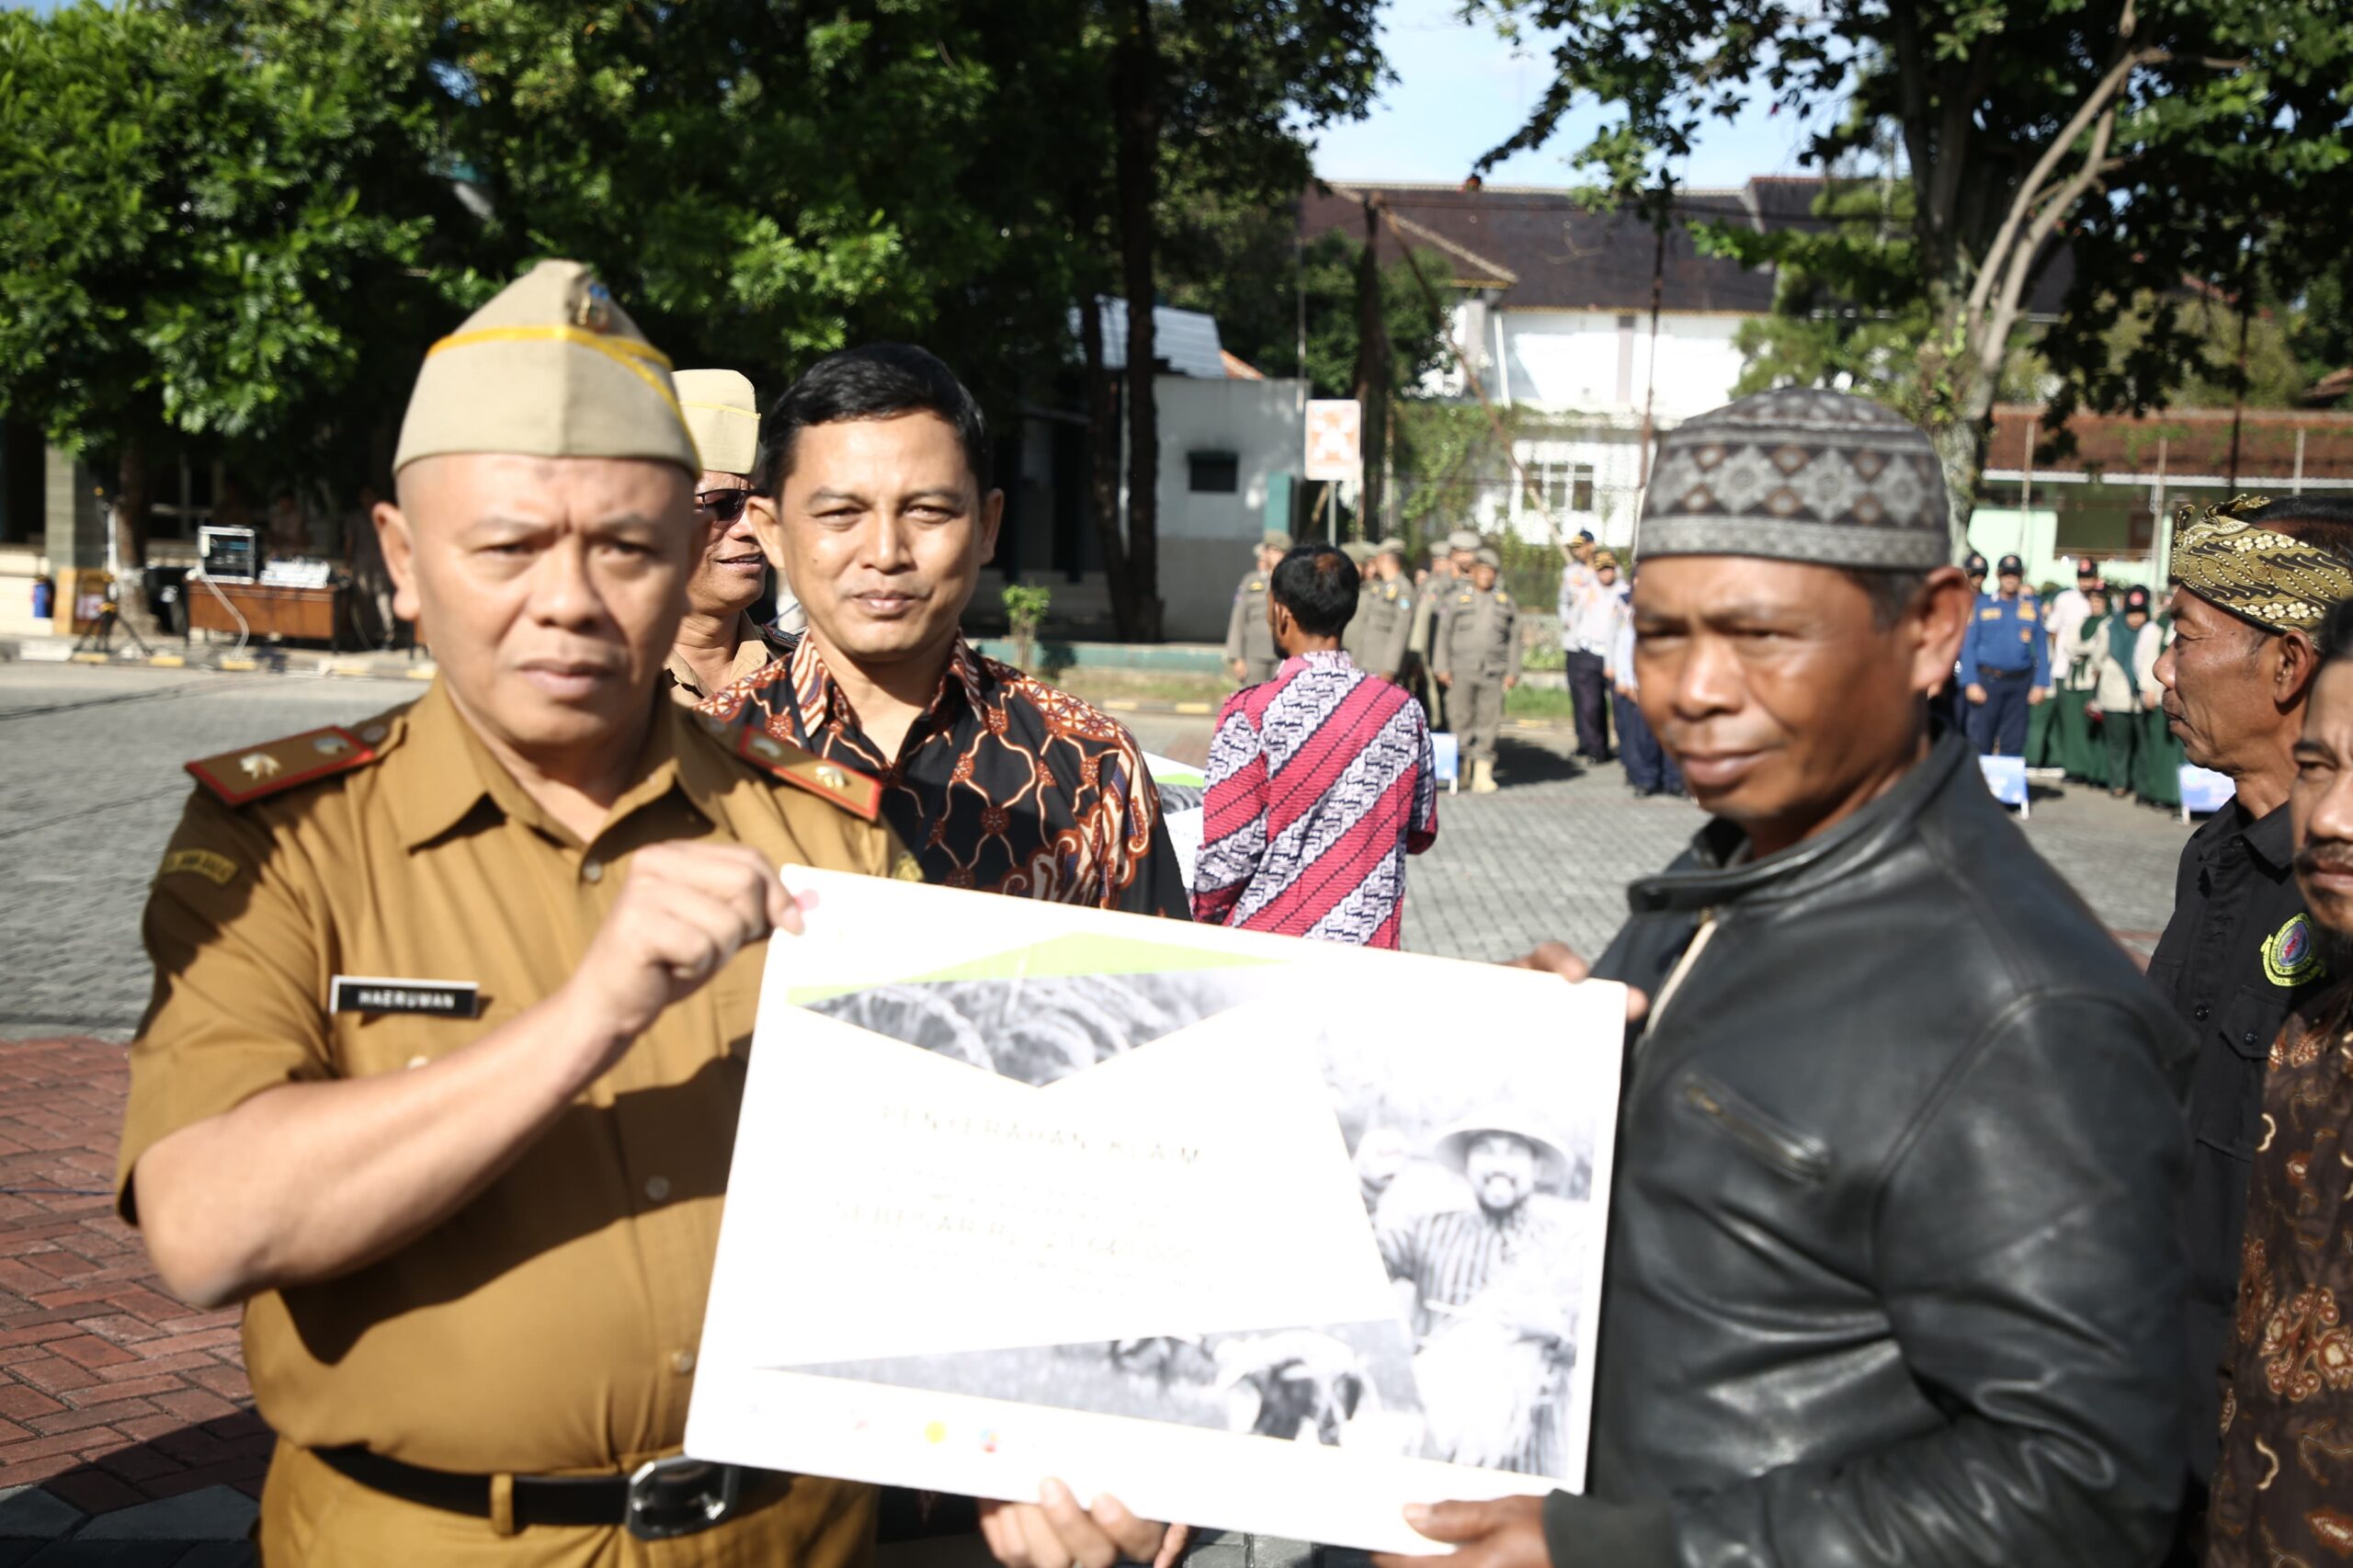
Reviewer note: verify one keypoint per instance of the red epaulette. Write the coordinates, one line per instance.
(858, 793)
(252, 772)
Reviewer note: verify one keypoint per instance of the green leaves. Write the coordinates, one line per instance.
(2230, 164)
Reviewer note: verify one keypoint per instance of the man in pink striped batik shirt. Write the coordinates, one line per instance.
(1320, 780)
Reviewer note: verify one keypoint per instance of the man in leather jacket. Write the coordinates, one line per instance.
(1894, 1275)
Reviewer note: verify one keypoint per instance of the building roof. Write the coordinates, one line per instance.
(1542, 248)
(1185, 341)
(2183, 443)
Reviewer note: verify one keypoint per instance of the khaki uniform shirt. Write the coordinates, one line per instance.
(1478, 634)
(1361, 631)
(755, 649)
(1425, 608)
(1247, 636)
(1385, 654)
(551, 1324)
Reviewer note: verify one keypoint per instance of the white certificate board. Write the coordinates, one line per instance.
(1250, 1232)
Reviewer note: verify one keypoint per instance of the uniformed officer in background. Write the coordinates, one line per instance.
(1352, 638)
(1477, 659)
(470, 1202)
(1446, 576)
(1250, 654)
(1387, 652)
(2004, 663)
(719, 642)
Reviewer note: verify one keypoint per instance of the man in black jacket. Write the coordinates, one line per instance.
(1894, 1275)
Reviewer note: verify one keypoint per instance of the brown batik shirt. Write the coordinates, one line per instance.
(2283, 1492)
(1003, 784)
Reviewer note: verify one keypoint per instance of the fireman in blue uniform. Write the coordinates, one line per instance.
(2004, 663)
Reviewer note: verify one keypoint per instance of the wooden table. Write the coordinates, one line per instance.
(311, 615)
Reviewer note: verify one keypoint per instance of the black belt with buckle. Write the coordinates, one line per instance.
(2019, 673)
(664, 1498)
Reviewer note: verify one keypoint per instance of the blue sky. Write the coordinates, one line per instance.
(1461, 89)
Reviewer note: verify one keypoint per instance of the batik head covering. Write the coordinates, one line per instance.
(2279, 582)
(1799, 475)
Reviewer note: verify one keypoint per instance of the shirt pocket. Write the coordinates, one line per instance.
(368, 1043)
(2227, 1086)
(1788, 1151)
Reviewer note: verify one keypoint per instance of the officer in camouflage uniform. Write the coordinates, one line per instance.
(1476, 658)
(1250, 654)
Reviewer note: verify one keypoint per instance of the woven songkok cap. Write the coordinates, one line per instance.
(1799, 475)
(723, 417)
(2279, 582)
(552, 367)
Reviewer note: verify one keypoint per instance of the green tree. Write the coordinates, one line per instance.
(2153, 138)
(210, 224)
(1226, 90)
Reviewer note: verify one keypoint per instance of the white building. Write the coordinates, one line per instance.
(1556, 322)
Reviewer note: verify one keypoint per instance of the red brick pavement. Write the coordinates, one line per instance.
(111, 1393)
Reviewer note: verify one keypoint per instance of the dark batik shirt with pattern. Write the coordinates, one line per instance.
(2283, 1492)
(1003, 784)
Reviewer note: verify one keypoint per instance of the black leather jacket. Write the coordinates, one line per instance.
(1895, 1274)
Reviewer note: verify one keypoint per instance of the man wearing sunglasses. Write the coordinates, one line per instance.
(719, 642)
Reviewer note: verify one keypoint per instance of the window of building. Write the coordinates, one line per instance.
(1214, 473)
(1556, 487)
(1581, 488)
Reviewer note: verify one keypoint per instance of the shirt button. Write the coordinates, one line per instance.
(682, 1361)
(2199, 1012)
(592, 871)
(657, 1188)
(2250, 1036)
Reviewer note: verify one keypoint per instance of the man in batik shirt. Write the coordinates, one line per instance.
(1320, 782)
(2283, 1489)
(883, 513)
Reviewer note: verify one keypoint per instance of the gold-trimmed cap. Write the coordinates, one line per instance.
(722, 415)
(553, 368)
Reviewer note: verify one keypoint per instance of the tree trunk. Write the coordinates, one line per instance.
(1960, 451)
(1952, 404)
(1372, 376)
(1103, 466)
(133, 499)
(1135, 72)
(129, 518)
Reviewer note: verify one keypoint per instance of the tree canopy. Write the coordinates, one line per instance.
(2147, 141)
(239, 222)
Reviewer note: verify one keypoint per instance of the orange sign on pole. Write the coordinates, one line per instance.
(1334, 439)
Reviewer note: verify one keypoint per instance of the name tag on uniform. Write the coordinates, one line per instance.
(375, 994)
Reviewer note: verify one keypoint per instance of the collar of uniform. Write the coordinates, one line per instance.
(441, 770)
(2272, 839)
(1719, 871)
(814, 691)
(753, 652)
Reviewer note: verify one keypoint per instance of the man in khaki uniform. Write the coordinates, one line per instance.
(1352, 639)
(1447, 578)
(1386, 653)
(441, 1070)
(719, 643)
(1250, 654)
(1477, 659)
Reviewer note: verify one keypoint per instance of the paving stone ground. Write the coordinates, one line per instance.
(127, 1435)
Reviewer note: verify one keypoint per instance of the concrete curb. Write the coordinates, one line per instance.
(254, 661)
